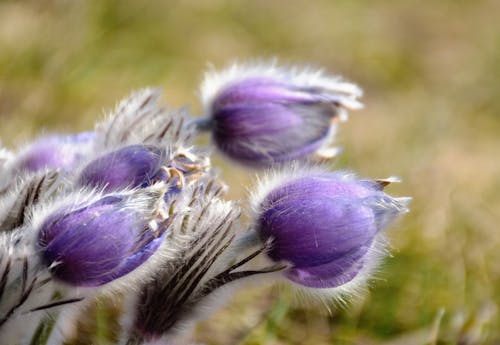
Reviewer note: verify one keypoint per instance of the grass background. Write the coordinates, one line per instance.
(431, 74)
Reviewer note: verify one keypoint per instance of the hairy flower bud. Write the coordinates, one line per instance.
(54, 152)
(325, 226)
(130, 166)
(263, 116)
(93, 244)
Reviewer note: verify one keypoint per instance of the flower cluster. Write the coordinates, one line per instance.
(134, 210)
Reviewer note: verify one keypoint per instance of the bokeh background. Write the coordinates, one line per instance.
(431, 74)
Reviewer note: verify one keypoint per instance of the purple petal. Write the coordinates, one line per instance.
(131, 166)
(260, 121)
(54, 152)
(323, 226)
(331, 274)
(314, 230)
(96, 243)
(267, 133)
(259, 91)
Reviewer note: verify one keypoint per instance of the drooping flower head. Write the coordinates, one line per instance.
(265, 115)
(325, 225)
(91, 244)
(54, 152)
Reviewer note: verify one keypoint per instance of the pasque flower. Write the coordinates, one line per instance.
(139, 166)
(54, 152)
(91, 244)
(137, 201)
(325, 225)
(131, 166)
(260, 116)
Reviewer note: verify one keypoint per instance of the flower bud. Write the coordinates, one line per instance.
(54, 152)
(265, 116)
(130, 166)
(93, 244)
(325, 226)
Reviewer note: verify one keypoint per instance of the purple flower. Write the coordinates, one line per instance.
(130, 166)
(93, 244)
(325, 226)
(54, 152)
(260, 117)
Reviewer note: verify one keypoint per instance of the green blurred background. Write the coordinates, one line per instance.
(431, 74)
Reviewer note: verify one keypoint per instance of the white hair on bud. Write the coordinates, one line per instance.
(141, 119)
(203, 227)
(215, 81)
(23, 193)
(23, 290)
(198, 211)
(6, 156)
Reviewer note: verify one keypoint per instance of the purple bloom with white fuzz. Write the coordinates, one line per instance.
(137, 202)
(325, 226)
(54, 152)
(130, 166)
(260, 117)
(90, 245)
